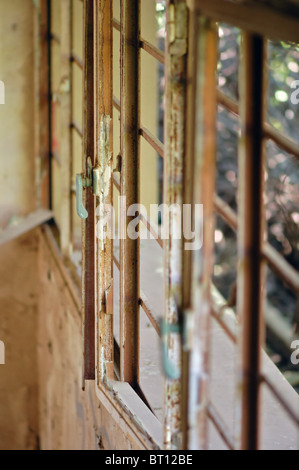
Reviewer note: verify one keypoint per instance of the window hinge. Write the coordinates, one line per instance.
(185, 329)
(91, 179)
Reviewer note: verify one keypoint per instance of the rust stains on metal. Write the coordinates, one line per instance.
(44, 144)
(130, 187)
(204, 148)
(104, 191)
(66, 118)
(251, 232)
(88, 225)
(176, 49)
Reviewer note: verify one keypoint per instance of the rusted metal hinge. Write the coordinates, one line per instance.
(91, 179)
(184, 328)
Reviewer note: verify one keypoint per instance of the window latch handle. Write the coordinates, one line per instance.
(83, 181)
(171, 371)
(81, 211)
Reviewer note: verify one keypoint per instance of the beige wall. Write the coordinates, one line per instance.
(17, 172)
(69, 418)
(18, 331)
(41, 401)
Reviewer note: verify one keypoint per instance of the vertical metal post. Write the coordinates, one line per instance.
(103, 164)
(202, 259)
(88, 225)
(250, 236)
(65, 145)
(189, 161)
(130, 188)
(44, 143)
(175, 74)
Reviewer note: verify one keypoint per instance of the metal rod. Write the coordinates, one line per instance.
(174, 128)
(116, 24)
(88, 225)
(226, 212)
(57, 158)
(65, 131)
(204, 188)
(54, 37)
(152, 230)
(275, 260)
(152, 140)
(155, 143)
(44, 85)
(217, 315)
(145, 304)
(130, 187)
(229, 103)
(250, 236)
(279, 264)
(76, 60)
(104, 161)
(116, 181)
(282, 141)
(221, 426)
(191, 87)
(287, 407)
(116, 103)
(152, 50)
(269, 132)
(77, 128)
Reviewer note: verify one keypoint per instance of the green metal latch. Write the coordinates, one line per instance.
(170, 370)
(92, 179)
(184, 328)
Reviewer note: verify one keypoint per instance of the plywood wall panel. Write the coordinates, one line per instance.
(18, 331)
(69, 418)
(17, 160)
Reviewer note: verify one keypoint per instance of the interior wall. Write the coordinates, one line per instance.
(42, 404)
(69, 418)
(18, 329)
(17, 161)
(18, 259)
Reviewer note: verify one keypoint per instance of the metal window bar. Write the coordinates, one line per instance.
(64, 158)
(97, 285)
(103, 163)
(88, 225)
(203, 68)
(203, 131)
(44, 106)
(130, 188)
(267, 253)
(252, 336)
(250, 236)
(65, 129)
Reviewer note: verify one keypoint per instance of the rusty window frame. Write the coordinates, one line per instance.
(199, 66)
(253, 252)
(124, 394)
(63, 96)
(97, 288)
